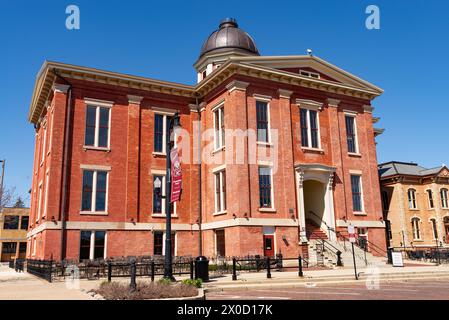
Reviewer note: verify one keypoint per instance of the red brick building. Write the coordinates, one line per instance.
(286, 143)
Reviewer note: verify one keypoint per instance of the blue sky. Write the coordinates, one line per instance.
(407, 57)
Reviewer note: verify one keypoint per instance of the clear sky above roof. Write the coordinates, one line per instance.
(407, 57)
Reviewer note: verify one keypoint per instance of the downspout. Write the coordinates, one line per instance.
(65, 171)
(200, 209)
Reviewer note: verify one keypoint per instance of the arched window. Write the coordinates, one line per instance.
(415, 227)
(443, 195)
(430, 199)
(412, 199)
(433, 223)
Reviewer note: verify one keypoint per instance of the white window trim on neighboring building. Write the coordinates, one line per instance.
(434, 227)
(444, 200)
(220, 208)
(356, 136)
(411, 198)
(98, 104)
(162, 173)
(416, 228)
(431, 204)
(267, 100)
(95, 170)
(218, 111)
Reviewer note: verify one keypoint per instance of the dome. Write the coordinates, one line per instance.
(229, 36)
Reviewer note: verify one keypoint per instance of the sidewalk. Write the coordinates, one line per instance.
(291, 278)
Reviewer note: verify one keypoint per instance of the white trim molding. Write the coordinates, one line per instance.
(237, 85)
(309, 104)
(286, 94)
(98, 103)
(95, 167)
(132, 99)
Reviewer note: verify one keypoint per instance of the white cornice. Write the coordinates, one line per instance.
(237, 85)
(134, 99)
(286, 94)
(333, 102)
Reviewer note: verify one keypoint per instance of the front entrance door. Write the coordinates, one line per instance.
(268, 245)
(447, 232)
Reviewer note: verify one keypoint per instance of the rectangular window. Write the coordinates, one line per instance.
(351, 134)
(158, 243)
(92, 245)
(159, 196)
(94, 194)
(11, 223)
(24, 223)
(356, 193)
(310, 136)
(263, 126)
(161, 122)
(219, 133)
(97, 126)
(220, 191)
(39, 203)
(265, 187)
(434, 228)
(309, 74)
(9, 247)
(430, 198)
(220, 243)
(44, 146)
(444, 198)
(46, 194)
(22, 247)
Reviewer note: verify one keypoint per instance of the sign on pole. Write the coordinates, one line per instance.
(351, 231)
(396, 258)
(176, 176)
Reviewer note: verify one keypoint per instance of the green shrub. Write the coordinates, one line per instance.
(165, 281)
(196, 282)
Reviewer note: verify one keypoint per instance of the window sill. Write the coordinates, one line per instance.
(96, 148)
(223, 148)
(94, 213)
(264, 144)
(360, 213)
(444, 208)
(219, 213)
(162, 215)
(414, 209)
(307, 149)
(418, 240)
(355, 154)
(268, 210)
(159, 154)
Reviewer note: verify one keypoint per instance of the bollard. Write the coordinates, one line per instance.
(191, 269)
(109, 271)
(339, 263)
(133, 285)
(300, 274)
(234, 269)
(268, 268)
(152, 271)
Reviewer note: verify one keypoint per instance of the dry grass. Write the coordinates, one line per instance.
(145, 290)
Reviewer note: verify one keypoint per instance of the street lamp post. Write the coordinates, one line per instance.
(172, 125)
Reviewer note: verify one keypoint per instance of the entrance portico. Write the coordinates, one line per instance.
(314, 183)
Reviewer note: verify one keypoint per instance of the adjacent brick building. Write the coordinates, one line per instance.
(415, 203)
(287, 148)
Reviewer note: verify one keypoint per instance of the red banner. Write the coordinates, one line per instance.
(176, 176)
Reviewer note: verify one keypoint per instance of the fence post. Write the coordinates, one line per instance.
(300, 274)
(133, 276)
(152, 271)
(234, 269)
(191, 269)
(268, 268)
(109, 271)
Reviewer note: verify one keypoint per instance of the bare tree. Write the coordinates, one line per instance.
(7, 197)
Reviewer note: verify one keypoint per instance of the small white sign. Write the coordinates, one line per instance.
(396, 258)
(351, 229)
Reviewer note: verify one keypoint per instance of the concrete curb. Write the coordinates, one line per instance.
(201, 296)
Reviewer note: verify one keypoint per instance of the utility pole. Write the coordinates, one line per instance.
(1, 185)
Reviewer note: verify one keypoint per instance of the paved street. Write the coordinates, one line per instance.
(434, 289)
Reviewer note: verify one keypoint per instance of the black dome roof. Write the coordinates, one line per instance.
(229, 36)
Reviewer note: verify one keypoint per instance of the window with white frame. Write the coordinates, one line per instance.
(47, 175)
(39, 202)
(92, 245)
(356, 187)
(433, 223)
(220, 191)
(351, 133)
(411, 194)
(219, 132)
(309, 74)
(50, 128)
(97, 126)
(265, 187)
(159, 196)
(161, 121)
(310, 131)
(415, 228)
(44, 142)
(34, 240)
(430, 199)
(444, 200)
(94, 193)
(263, 121)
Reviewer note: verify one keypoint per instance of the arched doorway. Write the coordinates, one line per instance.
(446, 229)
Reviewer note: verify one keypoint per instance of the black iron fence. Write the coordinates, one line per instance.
(40, 268)
(430, 254)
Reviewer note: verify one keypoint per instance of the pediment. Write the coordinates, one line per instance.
(444, 173)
